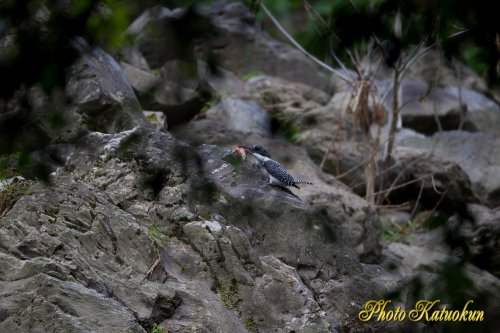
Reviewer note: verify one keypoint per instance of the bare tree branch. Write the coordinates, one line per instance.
(300, 48)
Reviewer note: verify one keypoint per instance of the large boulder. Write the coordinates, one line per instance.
(441, 182)
(179, 89)
(428, 109)
(229, 122)
(99, 90)
(241, 116)
(482, 114)
(476, 153)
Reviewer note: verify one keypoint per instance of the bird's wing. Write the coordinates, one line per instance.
(279, 172)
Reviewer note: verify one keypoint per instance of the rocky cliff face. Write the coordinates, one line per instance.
(232, 253)
(137, 227)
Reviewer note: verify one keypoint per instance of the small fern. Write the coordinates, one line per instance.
(157, 329)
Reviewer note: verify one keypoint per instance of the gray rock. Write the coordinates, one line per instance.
(100, 91)
(481, 235)
(208, 131)
(131, 55)
(360, 232)
(439, 95)
(476, 153)
(428, 109)
(141, 80)
(155, 37)
(139, 228)
(34, 119)
(225, 83)
(433, 69)
(157, 119)
(428, 274)
(97, 97)
(291, 217)
(241, 116)
(74, 261)
(242, 47)
(174, 90)
(235, 41)
(443, 184)
(286, 89)
(481, 113)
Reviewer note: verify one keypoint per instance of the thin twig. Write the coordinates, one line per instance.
(357, 166)
(403, 205)
(418, 199)
(155, 264)
(409, 183)
(439, 201)
(395, 113)
(436, 117)
(300, 48)
(434, 185)
(400, 174)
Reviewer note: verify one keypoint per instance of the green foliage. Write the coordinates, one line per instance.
(153, 118)
(183, 268)
(292, 133)
(21, 163)
(431, 219)
(157, 237)
(9, 165)
(157, 328)
(130, 144)
(392, 232)
(107, 26)
(11, 193)
(247, 76)
(212, 101)
(228, 293)
(155, 71)
(473, 56)
(288, 129)
(250, 324)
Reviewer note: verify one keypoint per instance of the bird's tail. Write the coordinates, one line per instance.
(300, 181)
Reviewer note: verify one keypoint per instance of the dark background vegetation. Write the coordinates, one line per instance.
(464, 29)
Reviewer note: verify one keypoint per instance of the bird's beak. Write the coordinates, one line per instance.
(247, 148)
